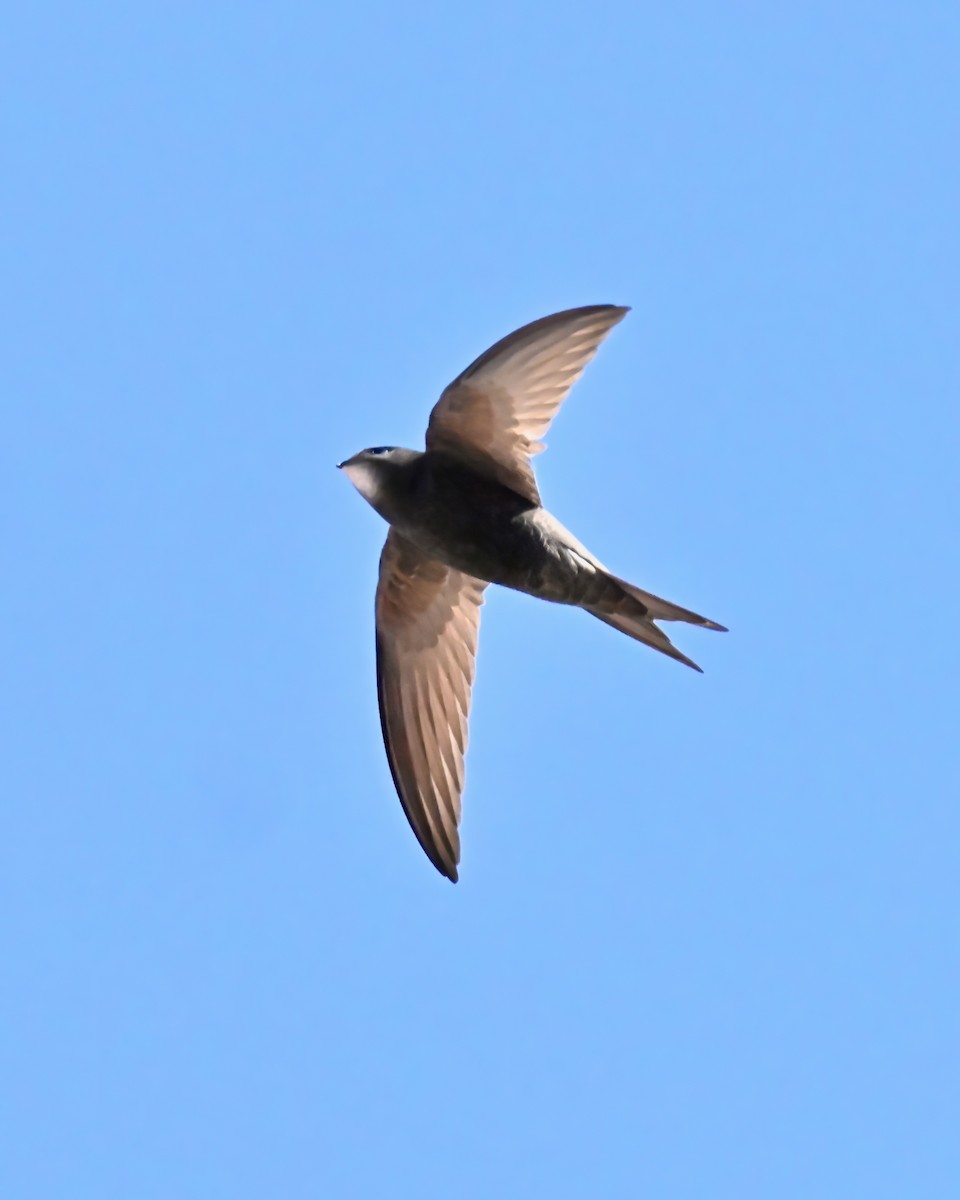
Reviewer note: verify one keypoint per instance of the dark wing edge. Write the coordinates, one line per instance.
(494, 413)
(611, 314)
(428, 618)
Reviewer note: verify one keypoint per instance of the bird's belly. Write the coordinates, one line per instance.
(510, 550)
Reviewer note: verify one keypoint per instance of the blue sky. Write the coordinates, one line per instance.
(705, 938)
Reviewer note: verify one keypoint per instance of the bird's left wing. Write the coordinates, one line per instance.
(428, 618)
(493, 414)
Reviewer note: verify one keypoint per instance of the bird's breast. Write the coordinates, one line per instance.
(478, 526)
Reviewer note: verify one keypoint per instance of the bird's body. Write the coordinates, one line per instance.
(467, 520)
(466, 513)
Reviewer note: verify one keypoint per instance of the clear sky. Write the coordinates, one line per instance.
(705, 943)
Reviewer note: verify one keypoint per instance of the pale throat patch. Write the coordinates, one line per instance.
(366, 479)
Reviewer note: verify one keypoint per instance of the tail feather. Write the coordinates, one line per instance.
(659, 609)
(642, 629)
(636, 612)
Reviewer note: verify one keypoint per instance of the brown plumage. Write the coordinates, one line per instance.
(466, 513)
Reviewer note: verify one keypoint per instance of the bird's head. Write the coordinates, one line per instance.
(378, 474)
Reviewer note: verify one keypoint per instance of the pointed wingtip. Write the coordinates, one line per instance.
(715, 626)
(447, 869)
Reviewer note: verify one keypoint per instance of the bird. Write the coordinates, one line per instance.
(464, 513)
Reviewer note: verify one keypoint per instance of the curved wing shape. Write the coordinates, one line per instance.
(493, 415)
(428, 617)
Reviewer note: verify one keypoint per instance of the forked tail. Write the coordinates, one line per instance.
(635, 612)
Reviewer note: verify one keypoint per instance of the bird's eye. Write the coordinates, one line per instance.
(379, 449)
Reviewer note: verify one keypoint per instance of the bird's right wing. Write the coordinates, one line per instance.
(428, 618)
(493, 414)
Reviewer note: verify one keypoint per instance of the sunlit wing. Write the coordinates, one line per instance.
(493, 415)
(428, 618)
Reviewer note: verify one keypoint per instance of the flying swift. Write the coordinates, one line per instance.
(464, 513)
